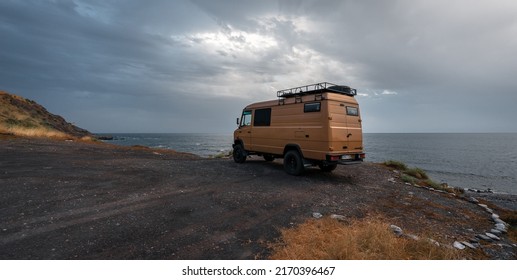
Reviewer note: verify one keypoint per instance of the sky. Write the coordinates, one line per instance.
(191, 66)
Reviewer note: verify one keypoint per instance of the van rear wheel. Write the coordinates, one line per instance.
(293, 163)
(239, 154)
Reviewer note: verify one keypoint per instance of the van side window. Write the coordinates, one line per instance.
(312, 107)
(246, 118)
(352, 111)
(262, 117)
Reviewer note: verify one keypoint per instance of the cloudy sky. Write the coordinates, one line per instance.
(190, 66)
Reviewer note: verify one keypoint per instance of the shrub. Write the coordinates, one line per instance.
(396, 164)
(408, 179)
(417, 173)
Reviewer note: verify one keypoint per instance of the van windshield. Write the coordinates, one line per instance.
(246, 118)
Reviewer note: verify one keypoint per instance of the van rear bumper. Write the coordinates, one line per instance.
(345, 158)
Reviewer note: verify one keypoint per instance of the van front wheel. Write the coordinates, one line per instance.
(239, 154)
(293, 163)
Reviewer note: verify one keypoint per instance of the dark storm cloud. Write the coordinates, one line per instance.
(191, 65)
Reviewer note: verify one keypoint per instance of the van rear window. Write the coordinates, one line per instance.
(352, 111)
(262, 117)
(312, 107)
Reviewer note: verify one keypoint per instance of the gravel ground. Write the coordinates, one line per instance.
(74, 200)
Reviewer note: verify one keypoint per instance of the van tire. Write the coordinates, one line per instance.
(239, 154)
(327, 167)
(293, 163)
(269, 157)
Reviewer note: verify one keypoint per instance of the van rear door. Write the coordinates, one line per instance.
(354, 128)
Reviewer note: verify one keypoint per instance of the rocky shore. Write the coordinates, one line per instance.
(78, 200)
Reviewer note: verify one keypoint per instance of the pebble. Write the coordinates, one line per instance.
(316, 215)
(499, 221)
(473, 200)
(495, 216)
(396, 230)
(458, 245)
(392, 180)
(495, 231)
(493, 236)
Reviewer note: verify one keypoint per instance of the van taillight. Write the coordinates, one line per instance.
(334, 158)
(362, 156)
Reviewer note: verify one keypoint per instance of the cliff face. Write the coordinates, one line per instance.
(24, 117)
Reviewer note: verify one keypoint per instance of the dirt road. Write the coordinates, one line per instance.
(69, 200)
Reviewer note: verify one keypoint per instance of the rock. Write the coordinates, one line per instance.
(495, 216)
(468, 244)
(484, 237)
(493, 236)
(499, 221)
(338, 217)
(436, 243)
(501, 227)
(412, 236)
(392, 180)
(316, 215)
(482, 205)
(496, 231)
(473, 200)
(458, 245)
(396, 230)
(474, 240)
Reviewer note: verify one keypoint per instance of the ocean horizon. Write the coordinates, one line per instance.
(466, 160)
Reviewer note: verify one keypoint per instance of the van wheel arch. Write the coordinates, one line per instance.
(290, 147)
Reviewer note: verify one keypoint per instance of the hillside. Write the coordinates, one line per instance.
(24, 117)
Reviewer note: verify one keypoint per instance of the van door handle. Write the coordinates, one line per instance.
(349, 134)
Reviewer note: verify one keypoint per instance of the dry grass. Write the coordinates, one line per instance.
(33, 132)
(361, 240)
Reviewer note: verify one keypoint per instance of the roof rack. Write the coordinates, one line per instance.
(316, 88)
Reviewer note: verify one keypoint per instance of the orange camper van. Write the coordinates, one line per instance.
(312, 125)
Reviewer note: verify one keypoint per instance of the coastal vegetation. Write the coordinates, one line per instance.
(417, 176)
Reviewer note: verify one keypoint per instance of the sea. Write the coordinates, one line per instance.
(468, 160)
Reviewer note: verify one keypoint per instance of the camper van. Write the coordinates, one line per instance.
(312, 125)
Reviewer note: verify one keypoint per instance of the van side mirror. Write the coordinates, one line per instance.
(237, 121)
